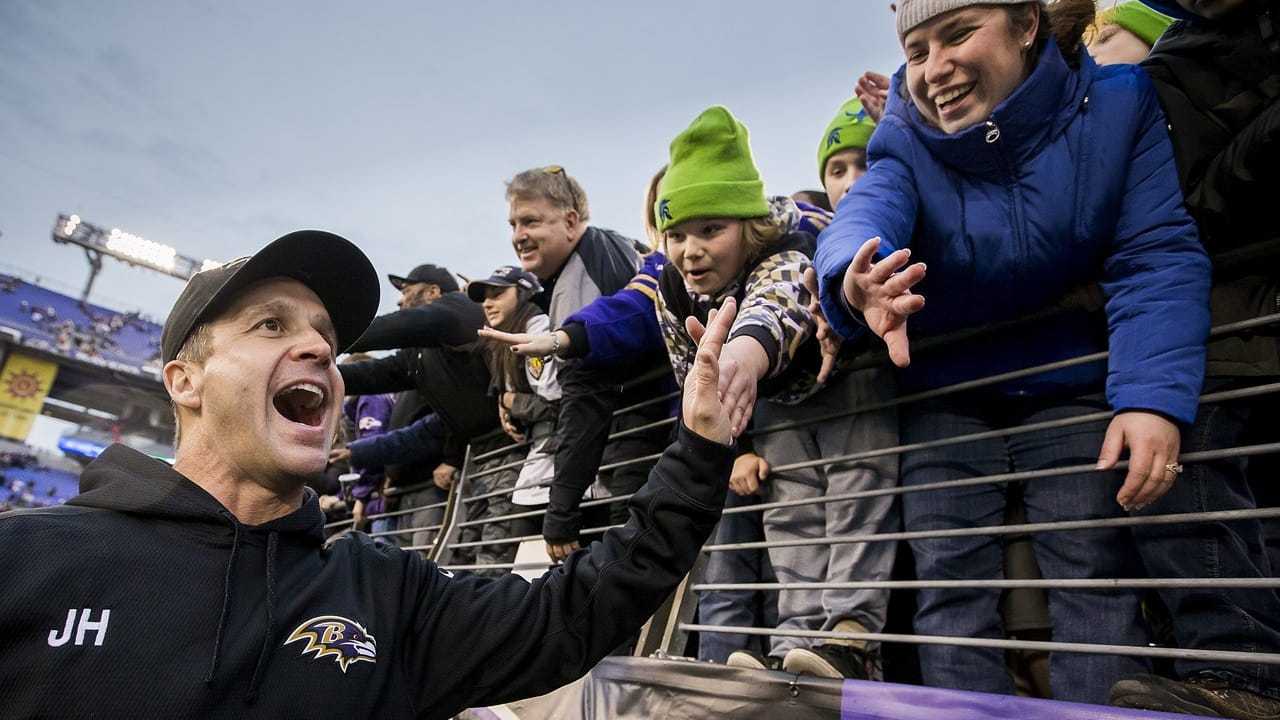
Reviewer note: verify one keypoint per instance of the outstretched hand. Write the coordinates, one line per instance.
(872, 90)
(828, 339)
(526, 344)
(883, 295)
(704, 410)
(743, 362)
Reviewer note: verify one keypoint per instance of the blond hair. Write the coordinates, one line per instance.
(555, 185)
(759, 234)
(657, 241)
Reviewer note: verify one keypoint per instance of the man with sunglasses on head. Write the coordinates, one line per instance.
(205, 589)
(577, 263)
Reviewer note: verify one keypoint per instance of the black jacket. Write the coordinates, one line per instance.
(436, 361)
(1219, 83)
(194, 615)
(602, 263)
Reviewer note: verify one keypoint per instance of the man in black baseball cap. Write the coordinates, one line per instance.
(422, 285)
(214, 573)
(335, 270)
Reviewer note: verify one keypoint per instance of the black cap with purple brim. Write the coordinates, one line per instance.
(505, 276)
(335, 270)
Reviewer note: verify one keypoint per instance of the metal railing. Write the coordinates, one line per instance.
(669, 630)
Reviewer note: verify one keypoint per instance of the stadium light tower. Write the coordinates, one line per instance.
(123, 246)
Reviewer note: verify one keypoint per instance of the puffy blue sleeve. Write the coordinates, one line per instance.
(1156, 280)
(617, 329)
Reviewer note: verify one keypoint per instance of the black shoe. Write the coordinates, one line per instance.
(1201, 694)
(752, 660)
(827, 660)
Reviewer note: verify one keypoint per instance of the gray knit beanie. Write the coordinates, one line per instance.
(912, 13)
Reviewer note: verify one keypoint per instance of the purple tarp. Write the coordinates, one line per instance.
(629, 688)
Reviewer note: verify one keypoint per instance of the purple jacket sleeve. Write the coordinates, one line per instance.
(620, 328)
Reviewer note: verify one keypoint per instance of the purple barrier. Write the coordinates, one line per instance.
(629, 688)
(888, 701)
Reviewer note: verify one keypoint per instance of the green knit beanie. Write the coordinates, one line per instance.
(1138, 19)
(851, 128)
(711, 173)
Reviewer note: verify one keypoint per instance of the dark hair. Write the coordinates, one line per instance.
(1065, 21)
(505, 367)
(818, 198)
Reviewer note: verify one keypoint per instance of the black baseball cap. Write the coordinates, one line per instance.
(335, 270)
(505, 276)
(433, 274)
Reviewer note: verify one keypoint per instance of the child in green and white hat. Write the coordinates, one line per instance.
(842, 153)
(725, 237)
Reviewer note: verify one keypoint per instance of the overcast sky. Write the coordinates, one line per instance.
(215, 127)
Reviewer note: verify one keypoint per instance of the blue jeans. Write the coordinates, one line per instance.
(1246, 619)
(741, 608)
(382, 525)
(1098, 616)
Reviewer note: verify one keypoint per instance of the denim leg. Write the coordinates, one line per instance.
(1244, 619)
(741, 608)
(956, 612)
(383, 525)
(1082, 616)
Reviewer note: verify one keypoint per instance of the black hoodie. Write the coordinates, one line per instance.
(145, 597)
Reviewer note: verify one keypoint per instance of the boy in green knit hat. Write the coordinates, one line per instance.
(842, 153)
(725, 237)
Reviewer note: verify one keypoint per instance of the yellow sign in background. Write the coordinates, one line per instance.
(24, 384)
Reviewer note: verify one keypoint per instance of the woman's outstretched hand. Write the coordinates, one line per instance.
(882, 293)
(526, 344)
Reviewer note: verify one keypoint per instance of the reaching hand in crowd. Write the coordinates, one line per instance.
(829, 340)
(743, 362)
(873, 90)
(526, 344)
(883, 295)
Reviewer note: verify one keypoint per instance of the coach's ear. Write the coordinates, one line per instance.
(184, 380)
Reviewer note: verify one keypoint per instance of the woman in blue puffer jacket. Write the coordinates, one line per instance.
(1017, 171)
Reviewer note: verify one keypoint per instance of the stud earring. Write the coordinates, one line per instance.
(1026, 45)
